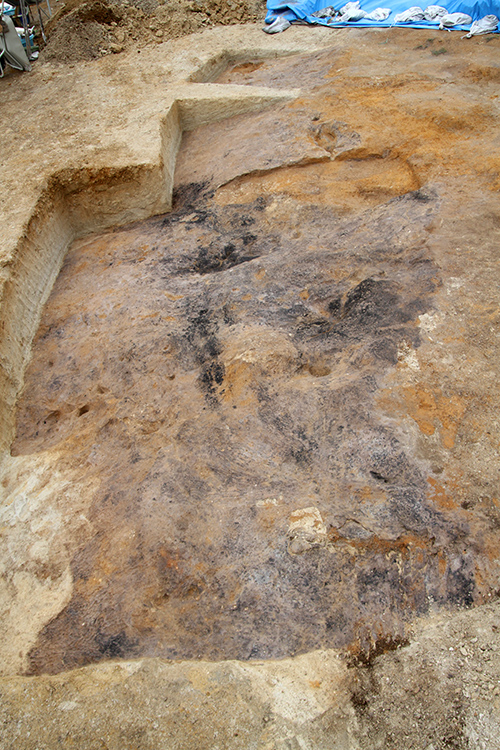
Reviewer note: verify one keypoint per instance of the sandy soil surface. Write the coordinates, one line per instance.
(440, 692)
(368, 257)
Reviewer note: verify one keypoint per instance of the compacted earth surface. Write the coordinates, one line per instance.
(264, 428)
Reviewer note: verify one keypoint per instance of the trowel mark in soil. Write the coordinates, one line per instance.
(217, 404)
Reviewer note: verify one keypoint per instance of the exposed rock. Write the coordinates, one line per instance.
(306, 530)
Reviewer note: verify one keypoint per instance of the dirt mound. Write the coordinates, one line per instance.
(82, 33)
(88, 30)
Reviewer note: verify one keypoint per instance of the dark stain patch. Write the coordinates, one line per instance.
(460, 584)
(113, 647)
(185, 199)
(213, 258)
(201, 344)
(201, 333)
(364, 654)
(379, 477)
(211, 377)
(196, 239)
(374, 302)
(422, 195)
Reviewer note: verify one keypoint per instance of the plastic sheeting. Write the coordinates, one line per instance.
(301, 11)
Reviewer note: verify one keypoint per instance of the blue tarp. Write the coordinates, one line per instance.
(301, 10)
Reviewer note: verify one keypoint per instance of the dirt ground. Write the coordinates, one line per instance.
(83, 30)
(309, 386)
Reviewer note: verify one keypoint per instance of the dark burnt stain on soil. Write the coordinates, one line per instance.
(211, 372)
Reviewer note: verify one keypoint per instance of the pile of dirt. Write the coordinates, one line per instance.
(88, 30)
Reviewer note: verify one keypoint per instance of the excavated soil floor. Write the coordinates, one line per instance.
(271, 418)
(223, 367)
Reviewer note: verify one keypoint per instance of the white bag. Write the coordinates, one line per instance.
(351, 12)
(352, 15)
(434, 11)
(354, 5)
(279, 25)
(379, 14)
(410, 16)
(328, 12)
(454, 19)
(485, 25)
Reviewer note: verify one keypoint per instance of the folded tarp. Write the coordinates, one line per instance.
(302, 10)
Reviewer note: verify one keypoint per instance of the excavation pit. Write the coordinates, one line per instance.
(264, 422)
(215, 371)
